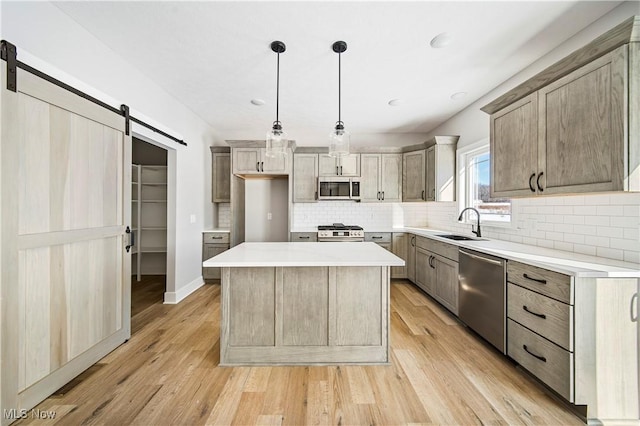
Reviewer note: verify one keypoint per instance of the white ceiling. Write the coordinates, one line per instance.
(214, 57)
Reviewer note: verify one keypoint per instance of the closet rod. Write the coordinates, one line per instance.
(8, 53)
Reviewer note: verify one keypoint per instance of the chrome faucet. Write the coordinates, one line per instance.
(477, 232)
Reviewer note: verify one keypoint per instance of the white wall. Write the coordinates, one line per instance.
(49, 40)
(606, 225)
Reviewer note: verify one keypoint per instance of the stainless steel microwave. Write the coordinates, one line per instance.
(338, 188)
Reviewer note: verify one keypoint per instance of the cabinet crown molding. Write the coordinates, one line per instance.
(254, 143)
(627, 32)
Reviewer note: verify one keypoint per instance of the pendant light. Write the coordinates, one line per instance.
(339, 137)
(277, 141)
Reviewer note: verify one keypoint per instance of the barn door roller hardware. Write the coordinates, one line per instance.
(8, 53)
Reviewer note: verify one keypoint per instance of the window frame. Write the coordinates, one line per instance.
(462, 155)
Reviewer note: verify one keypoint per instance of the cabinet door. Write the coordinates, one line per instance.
(446, 283)
(327, 166)
(425, 274)
(210, 250)
(513, 149)
(391, 177)
(413, 176)
(246, 160)
(582, 128)
(350, 165)
(400, 248)
(430, 171)
(370, 180)
(274, 165)
(305, 178)
(411, 258)
(221, 183)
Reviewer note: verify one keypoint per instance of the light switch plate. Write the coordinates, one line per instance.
(192, 218)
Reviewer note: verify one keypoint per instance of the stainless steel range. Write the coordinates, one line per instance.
(340, 232)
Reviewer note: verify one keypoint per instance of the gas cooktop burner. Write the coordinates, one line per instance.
(339, 227)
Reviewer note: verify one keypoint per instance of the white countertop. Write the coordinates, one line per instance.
(217, 230)
(568, 263)
(304, 254)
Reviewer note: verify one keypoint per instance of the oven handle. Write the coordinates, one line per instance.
(480, 258)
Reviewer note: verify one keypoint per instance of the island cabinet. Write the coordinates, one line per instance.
(349, 165)
(578, 336)
(575, 127)
(324, 304)
(305, 178)
(381, 177)
(253, 161)
(437, 271)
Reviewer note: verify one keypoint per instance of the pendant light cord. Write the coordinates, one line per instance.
(278, 89)
(339, 86)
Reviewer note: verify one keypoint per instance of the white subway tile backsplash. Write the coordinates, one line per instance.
(606, 225)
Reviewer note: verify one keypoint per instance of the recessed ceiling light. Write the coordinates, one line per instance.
(441, 40)
(257, 102)
(458, 95)
(395, 102)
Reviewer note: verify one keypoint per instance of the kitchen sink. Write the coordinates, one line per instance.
(458, 237)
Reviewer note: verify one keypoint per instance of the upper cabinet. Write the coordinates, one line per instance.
(381, 177)
(413, 176)
(429, 174)
(220, 175)
(575, 127)
(349, 165)
(253, 161)
(305, 178)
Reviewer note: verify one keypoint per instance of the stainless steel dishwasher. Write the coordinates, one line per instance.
(482, 295)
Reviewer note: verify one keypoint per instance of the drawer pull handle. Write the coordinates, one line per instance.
(543, 316)
(376, 238)
(216, 238)
(541, 358)
(534, 279)
(304, 238)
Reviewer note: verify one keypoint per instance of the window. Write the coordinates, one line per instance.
(474, 190)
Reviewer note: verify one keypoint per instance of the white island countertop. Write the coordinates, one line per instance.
(304, 254)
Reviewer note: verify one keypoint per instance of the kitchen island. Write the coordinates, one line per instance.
(304, 303)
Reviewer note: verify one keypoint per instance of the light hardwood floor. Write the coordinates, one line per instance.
(168, 373)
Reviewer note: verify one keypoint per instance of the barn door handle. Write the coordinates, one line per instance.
(132, 239)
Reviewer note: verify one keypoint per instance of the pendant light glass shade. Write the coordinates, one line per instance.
(339, 138)
(277, 141)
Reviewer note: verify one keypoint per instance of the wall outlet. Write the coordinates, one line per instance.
(269, 216)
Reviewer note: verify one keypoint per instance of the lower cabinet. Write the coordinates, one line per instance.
(436, 271)
(213, 243)
(411, 258)
(577, 335)
(303, 237)
(400, 247)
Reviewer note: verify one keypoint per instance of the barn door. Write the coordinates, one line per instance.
(65, 286)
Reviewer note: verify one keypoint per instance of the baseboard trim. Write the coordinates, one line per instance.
(174, 297)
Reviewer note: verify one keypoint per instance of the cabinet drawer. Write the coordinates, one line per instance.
(545, 360)
(450, 251)
(547, 317)
(549, 283)
(216, 238)
(378, 237)
(301, 237)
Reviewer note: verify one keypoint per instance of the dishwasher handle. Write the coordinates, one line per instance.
(481, 258)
